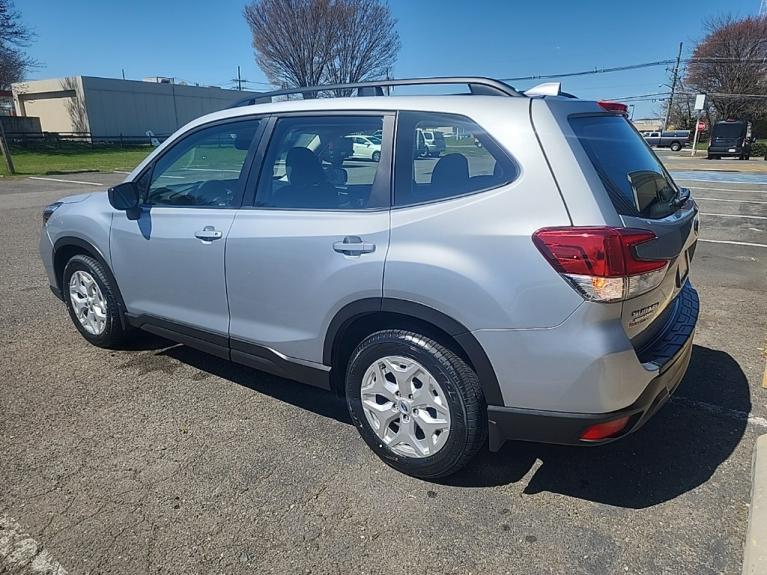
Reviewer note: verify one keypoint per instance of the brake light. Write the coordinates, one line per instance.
(619, 107)
(604, 430)
(601, 262)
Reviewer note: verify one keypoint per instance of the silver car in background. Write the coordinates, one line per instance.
(534, 287)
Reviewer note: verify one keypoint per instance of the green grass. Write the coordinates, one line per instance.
(463, 146)
(75, 159)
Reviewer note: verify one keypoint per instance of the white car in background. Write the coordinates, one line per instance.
(365, 147)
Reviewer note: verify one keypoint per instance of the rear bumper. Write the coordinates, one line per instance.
(670, 354)
(727, 150)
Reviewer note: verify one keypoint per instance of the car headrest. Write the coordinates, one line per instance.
(451, 171)
(304, 167)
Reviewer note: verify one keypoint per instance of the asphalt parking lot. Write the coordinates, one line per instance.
(161, 459)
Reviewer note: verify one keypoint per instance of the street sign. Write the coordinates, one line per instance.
(701, 126)
(700, 101)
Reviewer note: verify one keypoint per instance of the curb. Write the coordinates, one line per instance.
(755, 550)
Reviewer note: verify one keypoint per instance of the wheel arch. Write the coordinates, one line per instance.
(69, 246)
(360, 318)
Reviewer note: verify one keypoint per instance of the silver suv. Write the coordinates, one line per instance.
(534, 287)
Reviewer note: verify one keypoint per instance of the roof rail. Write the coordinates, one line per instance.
(478, 86)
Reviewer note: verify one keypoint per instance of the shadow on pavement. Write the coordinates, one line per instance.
(303, 396)
(676, 451)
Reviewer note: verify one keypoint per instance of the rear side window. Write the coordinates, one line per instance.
(636, 181)
(441, 156)
(323, 163)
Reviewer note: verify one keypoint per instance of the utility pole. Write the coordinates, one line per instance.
(673, 87)
(239, 80)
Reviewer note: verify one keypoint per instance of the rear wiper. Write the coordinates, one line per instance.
(681, 198)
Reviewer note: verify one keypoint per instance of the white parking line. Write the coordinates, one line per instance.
(746, 183)
(730, 200)
(714, 409)
(728, 190)
(19, 553)
(65, 181)
(734, 243)
(212, 170)
(734, 216)
(120, 172)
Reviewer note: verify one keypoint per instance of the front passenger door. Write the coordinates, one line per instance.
(169, 262)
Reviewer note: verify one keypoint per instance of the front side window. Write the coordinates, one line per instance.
(322, 163)
(203, 169)
(445, 156)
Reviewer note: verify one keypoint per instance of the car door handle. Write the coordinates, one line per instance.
(208, 234)
(353, 246)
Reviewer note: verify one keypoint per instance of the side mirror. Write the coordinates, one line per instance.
(124, 196)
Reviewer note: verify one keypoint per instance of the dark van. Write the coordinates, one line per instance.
(731, 138)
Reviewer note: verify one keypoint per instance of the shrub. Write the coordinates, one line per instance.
(759, 149)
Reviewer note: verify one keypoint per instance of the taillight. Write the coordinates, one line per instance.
(614, 106)
(601, 262)
(605, 430)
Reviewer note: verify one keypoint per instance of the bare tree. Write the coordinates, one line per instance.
(732, 60)
(368, 45)
(311, 42)
(14, 38)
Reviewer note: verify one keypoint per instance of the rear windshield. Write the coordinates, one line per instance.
(635, 180)
(734, 130)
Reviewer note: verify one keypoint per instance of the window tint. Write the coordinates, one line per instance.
(203, 169)
(446, 156)
(729, 130)
(321, 162)
(634, 178)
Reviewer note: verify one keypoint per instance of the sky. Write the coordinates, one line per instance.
(203, 41)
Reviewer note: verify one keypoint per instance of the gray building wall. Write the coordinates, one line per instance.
(20, 125)
(109, 108)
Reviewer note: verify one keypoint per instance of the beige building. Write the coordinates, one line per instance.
(110, 108)
(648, 124)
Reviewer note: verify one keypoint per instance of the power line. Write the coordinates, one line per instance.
(693, 60)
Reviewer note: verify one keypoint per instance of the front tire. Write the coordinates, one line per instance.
(92, 302)
(676, 146)
(417, 404)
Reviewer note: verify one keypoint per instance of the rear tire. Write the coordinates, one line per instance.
(411, 383)
(92, 302)
(376, 157)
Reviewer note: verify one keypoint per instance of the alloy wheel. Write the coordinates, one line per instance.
(405, 406)
(88, 302)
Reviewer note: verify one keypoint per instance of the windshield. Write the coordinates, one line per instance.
(635, 180)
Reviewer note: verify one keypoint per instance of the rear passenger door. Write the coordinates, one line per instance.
(312, 236)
